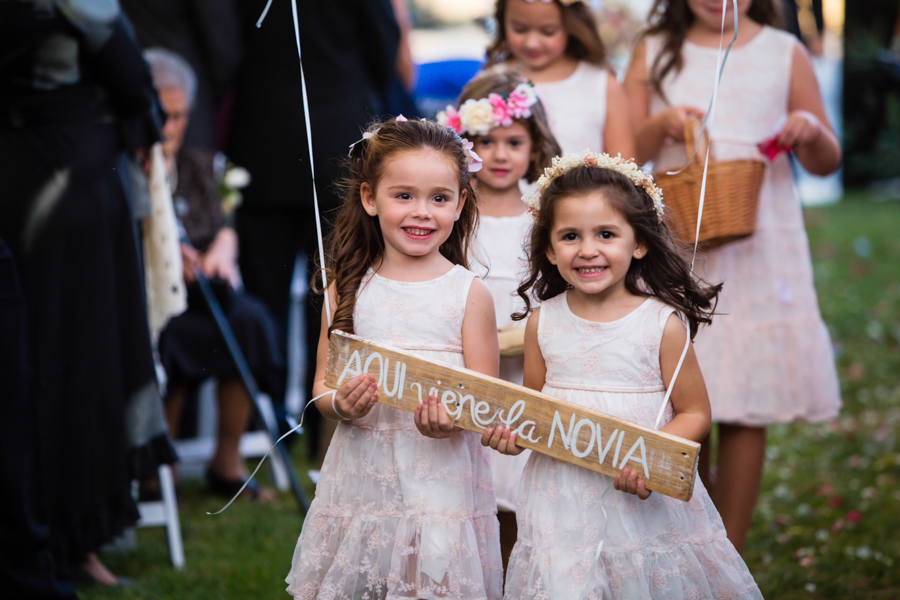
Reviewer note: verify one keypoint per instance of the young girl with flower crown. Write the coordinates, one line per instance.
(769, 356)
(556, 44)
(401, 513)
(515, 145)
(614, 289)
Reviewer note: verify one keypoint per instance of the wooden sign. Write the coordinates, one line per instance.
(475, 402)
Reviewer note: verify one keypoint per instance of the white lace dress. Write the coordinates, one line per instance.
(502, 263)
(767, 358)
(576, 108)
(396, 514)
(659, 548)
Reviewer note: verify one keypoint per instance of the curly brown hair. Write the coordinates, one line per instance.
(579, 22)
(672, 19)
(356, 243)
(500, 80)
(663, 273)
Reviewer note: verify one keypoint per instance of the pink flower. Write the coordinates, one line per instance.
(502, 113)
(450, 118)
(838, 525)
(854, 516)
(806, 561)
(475, 161)
(835, 501)
(521, 100)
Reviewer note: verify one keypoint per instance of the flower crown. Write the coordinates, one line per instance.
(478, 117)
(586, 158)
(473, 161)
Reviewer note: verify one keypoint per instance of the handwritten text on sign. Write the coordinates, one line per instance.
(547, 425)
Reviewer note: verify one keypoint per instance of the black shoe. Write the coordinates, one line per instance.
(227, 488)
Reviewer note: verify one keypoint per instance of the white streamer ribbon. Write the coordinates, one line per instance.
(309, 146)
(266, 455)
(708, 118)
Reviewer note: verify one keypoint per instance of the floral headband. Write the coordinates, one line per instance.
(478, 117)
(473, 161)
(586, 158)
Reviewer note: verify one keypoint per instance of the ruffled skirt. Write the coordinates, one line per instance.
(659, 548)
(398, 515)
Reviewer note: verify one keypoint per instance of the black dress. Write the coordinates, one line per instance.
(74, 94)
(190, 347)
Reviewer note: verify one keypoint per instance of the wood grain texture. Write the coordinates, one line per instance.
(593, 440)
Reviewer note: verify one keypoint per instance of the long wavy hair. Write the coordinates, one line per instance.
(672, 19)
(663, 273)
(356, 243)
(500, 80)
(579, 22)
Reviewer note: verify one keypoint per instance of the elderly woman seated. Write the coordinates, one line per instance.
(190, 347)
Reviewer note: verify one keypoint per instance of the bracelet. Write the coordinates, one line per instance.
(334, 408)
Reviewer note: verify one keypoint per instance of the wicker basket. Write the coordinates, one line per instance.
(732, 194)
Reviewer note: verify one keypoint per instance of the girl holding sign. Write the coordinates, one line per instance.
(608, 337)
(398, 514)
(769, 355)
(500, 112)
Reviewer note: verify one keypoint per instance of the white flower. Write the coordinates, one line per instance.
(477, 116)
(237, 178)
(628, 168)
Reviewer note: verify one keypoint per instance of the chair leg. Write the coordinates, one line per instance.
(173, 524)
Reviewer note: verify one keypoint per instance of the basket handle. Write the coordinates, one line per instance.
(691, 131)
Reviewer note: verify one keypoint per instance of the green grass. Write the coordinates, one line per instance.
(827, 524)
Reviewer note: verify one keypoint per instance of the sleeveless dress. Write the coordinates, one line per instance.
(396, 514)
(502, 263)
(576, 108)
(767, 358)
(655, 548)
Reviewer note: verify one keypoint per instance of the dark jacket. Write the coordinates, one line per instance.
(206, 34)
(349, 50)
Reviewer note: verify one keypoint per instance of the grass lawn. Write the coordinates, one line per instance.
(827, 524)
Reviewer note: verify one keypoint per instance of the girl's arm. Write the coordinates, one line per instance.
(693, 416)
(356, 397)
(618, 137)
(481, 352)
(501, 438)
(651, 132)
(807, 130)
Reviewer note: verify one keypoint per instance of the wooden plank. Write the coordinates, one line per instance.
(602, 443)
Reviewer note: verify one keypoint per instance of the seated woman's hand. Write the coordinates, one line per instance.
(502, 440)
(433, 421)
(220, 265)
(627, 481)
(356, 398)
(190, 259)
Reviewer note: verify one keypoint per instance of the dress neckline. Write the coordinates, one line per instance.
(715, 49)
(568, 310)
(575, 74)
(413, 283)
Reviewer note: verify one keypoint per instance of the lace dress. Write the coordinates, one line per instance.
(576, 108)
(501, 261)
(396, 514)
(767, 358)
(659, 548)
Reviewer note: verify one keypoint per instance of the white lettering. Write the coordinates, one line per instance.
(642, 460)
(349, 370)
(557, 422)
(601, 450)
(618, 446)
(369, 361)
(575, 433)
(399, 377)
(528, 436)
